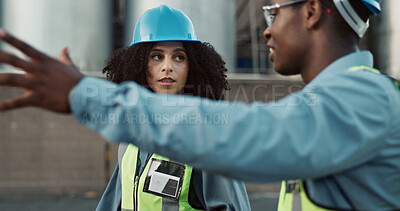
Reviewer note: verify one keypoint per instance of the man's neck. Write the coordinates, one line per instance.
(323, 55)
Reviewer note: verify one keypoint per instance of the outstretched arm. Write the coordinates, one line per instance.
(310, 134)
(288, 139)
(47, 81)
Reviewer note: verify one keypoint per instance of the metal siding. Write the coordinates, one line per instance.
(84, 26)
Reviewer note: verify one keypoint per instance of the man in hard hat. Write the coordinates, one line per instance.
(340, 135)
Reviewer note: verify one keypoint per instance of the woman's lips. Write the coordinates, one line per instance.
(166, 81)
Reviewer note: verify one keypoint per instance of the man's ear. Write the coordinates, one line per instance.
(313, 13)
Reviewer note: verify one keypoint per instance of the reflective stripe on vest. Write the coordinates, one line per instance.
(363, 67)
(133, 186)
(293, 196)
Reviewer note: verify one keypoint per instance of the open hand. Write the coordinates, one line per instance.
(47, 81)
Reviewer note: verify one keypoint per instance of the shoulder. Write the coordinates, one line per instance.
(356, 85)
(356, 94)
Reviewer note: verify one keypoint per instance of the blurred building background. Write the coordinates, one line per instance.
(47, 158)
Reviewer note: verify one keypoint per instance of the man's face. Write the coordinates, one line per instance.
(286, 39)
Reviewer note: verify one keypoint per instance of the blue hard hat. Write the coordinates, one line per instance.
(348, 13)
(163, 23)
(373, 5)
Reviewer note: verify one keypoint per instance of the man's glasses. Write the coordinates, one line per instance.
(270, 11)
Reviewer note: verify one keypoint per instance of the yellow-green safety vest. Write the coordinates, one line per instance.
(134, 196)
(293, 196)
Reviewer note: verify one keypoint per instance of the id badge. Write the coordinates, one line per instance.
(164, 178)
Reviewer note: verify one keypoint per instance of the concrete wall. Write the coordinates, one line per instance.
(43, 153)
(385, 38)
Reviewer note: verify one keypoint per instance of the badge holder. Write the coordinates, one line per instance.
(164, 179)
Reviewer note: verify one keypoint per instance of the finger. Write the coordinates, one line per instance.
(64, 57)
(22, 46)
(16, 80)
(16, 103)
(16, 61)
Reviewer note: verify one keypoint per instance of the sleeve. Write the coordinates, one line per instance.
(217, 192)
(111, 199)
(312, 133)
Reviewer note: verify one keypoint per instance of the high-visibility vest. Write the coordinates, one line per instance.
(293, 195)
(150, 190)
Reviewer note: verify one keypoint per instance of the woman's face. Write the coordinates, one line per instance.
(168, 67)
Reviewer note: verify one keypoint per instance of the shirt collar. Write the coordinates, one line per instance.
(346, 62)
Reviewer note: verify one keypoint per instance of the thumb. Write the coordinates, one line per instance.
(64, 56)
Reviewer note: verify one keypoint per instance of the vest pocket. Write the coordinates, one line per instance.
(164, 178)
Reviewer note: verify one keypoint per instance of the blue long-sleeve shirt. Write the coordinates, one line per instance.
(341, 133)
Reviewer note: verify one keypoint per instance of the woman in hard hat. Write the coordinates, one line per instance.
(167, 58)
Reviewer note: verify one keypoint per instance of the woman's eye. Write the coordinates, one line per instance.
(180, 58)
(156, 57)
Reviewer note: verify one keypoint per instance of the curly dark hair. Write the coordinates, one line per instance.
(207, 71)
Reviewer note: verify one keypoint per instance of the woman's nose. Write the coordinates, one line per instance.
(167, 66)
